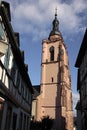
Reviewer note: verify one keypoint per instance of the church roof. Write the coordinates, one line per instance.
(36, 90)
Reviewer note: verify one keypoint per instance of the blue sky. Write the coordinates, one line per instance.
(33, 20)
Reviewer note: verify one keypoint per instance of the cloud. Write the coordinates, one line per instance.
(75, 97)
(29, 12)
(79, 6)
(35, 17)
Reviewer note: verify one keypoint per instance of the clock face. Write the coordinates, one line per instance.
(2, 33)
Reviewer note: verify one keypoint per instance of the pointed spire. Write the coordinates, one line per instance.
(55, 29)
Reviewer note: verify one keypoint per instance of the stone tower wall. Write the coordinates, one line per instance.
(55, 98)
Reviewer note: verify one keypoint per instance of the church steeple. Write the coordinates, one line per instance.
(55, 99)
(55, 29)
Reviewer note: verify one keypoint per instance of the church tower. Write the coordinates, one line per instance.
(55, 99)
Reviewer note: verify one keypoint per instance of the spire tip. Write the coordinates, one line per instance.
(56, 11)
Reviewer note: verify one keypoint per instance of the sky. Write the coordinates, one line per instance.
(33, 20)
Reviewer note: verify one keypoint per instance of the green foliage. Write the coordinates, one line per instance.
(45, 124)
(35, 125)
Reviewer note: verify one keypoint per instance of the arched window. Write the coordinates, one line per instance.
(51, 53)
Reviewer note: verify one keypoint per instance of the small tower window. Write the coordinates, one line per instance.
(51, 53)
(52, 79)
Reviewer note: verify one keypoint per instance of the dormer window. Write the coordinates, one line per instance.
(51, 53)
(2, 33)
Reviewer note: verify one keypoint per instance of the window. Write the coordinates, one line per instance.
(51, 53)
(52, 79)
(26, 94)
(7, 56)
(8, 118)
(14, 72)
(2, 35)
(19, 89)
(18, 80)
(22, 87)
(24, 124)
(14, 121)
(20, 121)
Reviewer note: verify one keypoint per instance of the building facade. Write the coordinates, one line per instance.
(81, 64)
(55, 99)
(79, 117)
(15, 85)
(36, 89)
